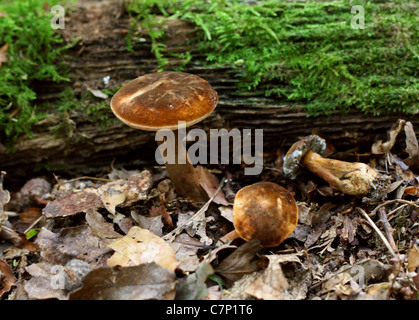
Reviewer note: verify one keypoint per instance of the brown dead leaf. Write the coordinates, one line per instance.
(109, 195)
(4, 198)
(7, 278)
(3, 53)
(166, 189)
(411, 191)
(102, 228)
(384, 147)
(286, 277)
(270, 284)
(305, 213)
(126, 191)
(413, 259)
(71, 243)
(226, 212)
(46, 282)
(75, 202)
(210, 184)
(29, 215)
(193, 224)
(141, 246)
(153, 224)
(378, 291)
(242, 261)
(148, 281)
(413, 265)
(336, 282)
(186, 249)
(412, 146)
(17, 239)
(161, 211)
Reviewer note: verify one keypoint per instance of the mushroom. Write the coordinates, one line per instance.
(161, 101)
(350, 178)
(264, 211)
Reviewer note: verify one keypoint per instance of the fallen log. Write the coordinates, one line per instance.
(101, 51)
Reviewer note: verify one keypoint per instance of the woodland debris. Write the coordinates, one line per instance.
(7, 278)
(197, 221)
(143, 282)
(271, 283)
(194, 287)
(120, 192)
(186, 250)
(151, 223)
(101, 228)
(34, 189)
(242, 261)
(140, 246)
(4, 198)
(79, 242)
(46, 282)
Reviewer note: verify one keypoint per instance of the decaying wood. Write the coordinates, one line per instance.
(101, 51)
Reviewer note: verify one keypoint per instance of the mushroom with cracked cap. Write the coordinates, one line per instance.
(162, 100)
(264, 211)
(350, 178)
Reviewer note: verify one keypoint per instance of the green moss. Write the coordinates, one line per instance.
(34, 54)
(304, 52)
(101, 114)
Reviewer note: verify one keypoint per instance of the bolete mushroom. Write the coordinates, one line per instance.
(350, 178)
(264, 211)
(162, 100)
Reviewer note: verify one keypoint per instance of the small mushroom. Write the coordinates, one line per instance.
(160, 101)
(264, 211)
(350, 178)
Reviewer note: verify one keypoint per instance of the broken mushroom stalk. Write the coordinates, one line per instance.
(264, 211)
(162, 100)
(350, 178)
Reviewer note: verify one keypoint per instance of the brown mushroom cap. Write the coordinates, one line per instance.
(160, 100)
(265, 211)
(298, 150)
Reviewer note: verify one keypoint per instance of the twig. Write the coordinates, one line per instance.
(89, 178)
(398, 210)
(411, 203)
(380, 234)
(387, 228)
(80, 178)
(170, 236)
(33, 224)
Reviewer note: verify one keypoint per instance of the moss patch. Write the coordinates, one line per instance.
(305, 52)
(34, 54)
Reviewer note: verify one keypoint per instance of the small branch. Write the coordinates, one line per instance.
(387, 228)
(380, 234)
(410, 203)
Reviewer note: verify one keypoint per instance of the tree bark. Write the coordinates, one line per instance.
(87, 147)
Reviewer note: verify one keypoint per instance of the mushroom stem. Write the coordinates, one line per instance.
(350, 178)
(184, 177)
(229, 237)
